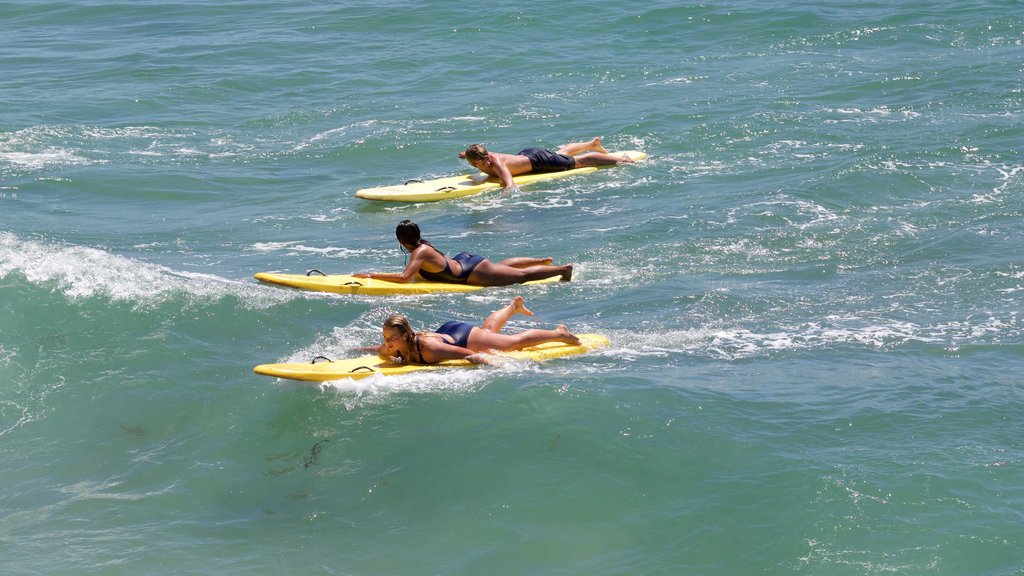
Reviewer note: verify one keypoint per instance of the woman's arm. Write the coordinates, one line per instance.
(382, 353)
(415, 263)
(387, 276)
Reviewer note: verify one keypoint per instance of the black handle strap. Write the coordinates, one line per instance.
(315, 270)
(315, 358)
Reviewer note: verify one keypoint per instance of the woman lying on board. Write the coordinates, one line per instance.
(465, 267)
(461, 340)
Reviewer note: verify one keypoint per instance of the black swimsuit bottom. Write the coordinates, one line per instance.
(542, 160)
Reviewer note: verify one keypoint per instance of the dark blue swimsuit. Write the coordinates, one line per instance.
(457, 330)
(468, 262)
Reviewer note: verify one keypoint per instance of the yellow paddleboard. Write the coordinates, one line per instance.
(322, 370)
(466, 185)
(348, 284)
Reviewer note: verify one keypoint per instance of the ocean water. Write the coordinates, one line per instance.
(812, 289)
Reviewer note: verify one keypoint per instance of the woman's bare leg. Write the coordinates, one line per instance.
(526, 262)
(496, 320)
(485, 340)
(489, 273)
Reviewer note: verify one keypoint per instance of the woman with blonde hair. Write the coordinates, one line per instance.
(461, 340)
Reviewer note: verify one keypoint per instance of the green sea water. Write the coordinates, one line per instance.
(812, 289)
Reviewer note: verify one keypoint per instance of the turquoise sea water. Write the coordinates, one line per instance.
(812, 289)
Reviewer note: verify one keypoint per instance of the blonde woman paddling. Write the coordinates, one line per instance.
(461, 340)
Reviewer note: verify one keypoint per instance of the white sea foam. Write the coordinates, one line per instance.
(379, 387)
(42, 147)
(84, 272)
(13, 416)
(6, 356)
(738, 342)
(676, 81)
(272, 246)
(48, 158)
(296, 248)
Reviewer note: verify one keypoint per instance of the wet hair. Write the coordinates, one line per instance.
(402, 325)
(408, 234)
(476, 153)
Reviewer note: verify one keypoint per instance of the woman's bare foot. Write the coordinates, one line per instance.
(567, 337)
(567, 275)
(596, 145)
(519, 307)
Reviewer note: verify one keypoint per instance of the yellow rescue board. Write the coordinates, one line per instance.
(356, 368)
(348, 284)
(466, 185)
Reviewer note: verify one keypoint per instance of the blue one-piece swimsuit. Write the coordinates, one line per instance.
(457, 330)
(467, 260)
